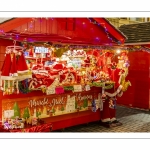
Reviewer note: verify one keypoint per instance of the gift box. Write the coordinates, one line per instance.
(59, 90)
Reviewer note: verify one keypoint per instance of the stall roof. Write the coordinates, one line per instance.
(136, 33)
(92, 31)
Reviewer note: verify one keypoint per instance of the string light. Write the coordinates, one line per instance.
(110, 47)
(118, 51)
(105, 29)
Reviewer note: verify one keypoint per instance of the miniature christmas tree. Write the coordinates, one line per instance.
(53, 110)
(85, 103)
(44, 110)
(62, 108)
(39, 113)
(16, 110)
(26, 113)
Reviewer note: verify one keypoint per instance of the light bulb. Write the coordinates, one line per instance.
(118, 51)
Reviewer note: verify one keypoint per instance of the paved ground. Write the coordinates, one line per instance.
(134, 120)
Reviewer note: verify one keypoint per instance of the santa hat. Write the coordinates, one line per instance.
(13, 69)
(5, 73)
(21, 64)
(6, 66)
(48, 81)
(58, 67)
(95, 53)
(53, 73)
(63, 77)
(107, 54)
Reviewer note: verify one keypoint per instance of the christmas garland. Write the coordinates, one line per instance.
(100, 84)
(68, 88)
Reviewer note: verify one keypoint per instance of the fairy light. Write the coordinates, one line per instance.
(105, 29)
(118, 51)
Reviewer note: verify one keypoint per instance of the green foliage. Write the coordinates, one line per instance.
(101, 84)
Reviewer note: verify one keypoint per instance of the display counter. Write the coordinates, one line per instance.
(63, 110)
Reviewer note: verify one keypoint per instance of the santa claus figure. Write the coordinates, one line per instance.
(108, 114)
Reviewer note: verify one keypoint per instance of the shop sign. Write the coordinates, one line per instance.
(41, 50)
(47, 106)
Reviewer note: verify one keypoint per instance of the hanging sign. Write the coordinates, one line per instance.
(41, 50)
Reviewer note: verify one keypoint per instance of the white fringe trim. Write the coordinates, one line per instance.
(108, 119)
(24, 71)
(105, 120)
(8, 78)
(112, 119)
(23, 77)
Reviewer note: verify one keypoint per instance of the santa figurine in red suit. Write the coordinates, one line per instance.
(108, 114)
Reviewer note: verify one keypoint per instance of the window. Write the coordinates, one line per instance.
(137, 19)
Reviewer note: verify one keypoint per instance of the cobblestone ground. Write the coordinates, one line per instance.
(134, 120)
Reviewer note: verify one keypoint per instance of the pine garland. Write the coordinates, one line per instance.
(101, 84)
(68, 88)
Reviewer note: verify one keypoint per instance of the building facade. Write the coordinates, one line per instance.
(117, 22)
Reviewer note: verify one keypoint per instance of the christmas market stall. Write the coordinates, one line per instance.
(59, 72)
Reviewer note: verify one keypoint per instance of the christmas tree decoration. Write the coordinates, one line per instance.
(26, 113)
(16, 110)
